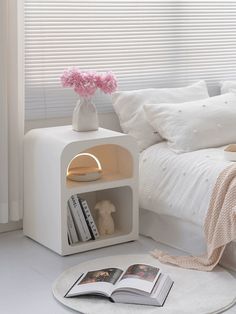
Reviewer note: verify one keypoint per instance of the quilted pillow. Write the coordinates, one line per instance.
(227, 86)
(128, 106)
(195, 125)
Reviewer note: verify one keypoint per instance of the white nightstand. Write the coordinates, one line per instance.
(47, 154)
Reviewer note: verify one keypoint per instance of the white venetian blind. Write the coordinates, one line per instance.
(146, 44)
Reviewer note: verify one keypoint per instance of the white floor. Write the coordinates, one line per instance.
(27, 271)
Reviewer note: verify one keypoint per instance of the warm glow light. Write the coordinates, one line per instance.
(89, 155)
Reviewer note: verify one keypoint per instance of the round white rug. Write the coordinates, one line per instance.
(193, 292)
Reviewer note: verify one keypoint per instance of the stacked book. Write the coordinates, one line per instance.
(80, 222)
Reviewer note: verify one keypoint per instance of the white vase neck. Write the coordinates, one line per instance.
(87, 100)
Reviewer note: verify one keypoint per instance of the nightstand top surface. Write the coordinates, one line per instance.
(67, 135)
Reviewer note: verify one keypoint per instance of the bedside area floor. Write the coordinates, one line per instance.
(27, 271)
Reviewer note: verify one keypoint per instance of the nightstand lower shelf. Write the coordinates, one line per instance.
(103, 241)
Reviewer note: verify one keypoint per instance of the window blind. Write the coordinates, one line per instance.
(145, 43)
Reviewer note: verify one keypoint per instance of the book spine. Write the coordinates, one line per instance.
(69, 237)
(89, 219)
(79, 220)
(71, 227)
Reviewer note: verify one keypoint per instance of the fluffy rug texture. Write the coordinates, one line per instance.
(194, 292)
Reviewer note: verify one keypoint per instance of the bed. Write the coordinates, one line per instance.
(177, 176)
(175, 191)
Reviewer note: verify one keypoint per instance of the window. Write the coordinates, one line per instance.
(146, 44)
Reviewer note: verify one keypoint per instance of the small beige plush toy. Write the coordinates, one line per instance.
(105, 222)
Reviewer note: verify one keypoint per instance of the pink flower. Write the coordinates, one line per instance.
(85, 83)
(70, 76)
(107, 83)
(86, 86)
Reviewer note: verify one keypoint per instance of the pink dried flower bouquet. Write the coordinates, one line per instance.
(85, 83)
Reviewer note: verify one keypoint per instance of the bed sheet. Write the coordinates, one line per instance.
(179, 185)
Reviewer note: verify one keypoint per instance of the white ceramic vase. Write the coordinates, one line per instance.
(85, 117)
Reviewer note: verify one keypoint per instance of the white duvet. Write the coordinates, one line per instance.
(179, 185)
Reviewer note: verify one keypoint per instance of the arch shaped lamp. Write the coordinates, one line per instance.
(83, 174)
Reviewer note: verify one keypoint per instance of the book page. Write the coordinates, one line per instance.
(140, 277)
(100, 281)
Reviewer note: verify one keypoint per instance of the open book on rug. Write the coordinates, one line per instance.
(138, 284)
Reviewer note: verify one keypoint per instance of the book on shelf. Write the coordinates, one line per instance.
(69, 238)
(79, 219)
(89, 218)
(138, 284)
(80, 222)
(72, 234)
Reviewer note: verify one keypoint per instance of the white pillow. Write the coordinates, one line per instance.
(128, 106)
(227, 86)
(194, 125)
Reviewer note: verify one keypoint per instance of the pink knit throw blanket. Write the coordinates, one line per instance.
(219, 225)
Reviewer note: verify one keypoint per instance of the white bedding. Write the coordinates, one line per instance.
(179, 185)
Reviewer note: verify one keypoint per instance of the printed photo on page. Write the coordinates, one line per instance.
(98, 281)
(139, 276)
(109, 275)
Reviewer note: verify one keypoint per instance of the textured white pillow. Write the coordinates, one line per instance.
(128, 106)
(194, 125)
(227, 86)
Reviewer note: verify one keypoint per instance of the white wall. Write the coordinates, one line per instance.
(11, 226)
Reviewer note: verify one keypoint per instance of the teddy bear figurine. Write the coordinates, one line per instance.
(105, 222)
